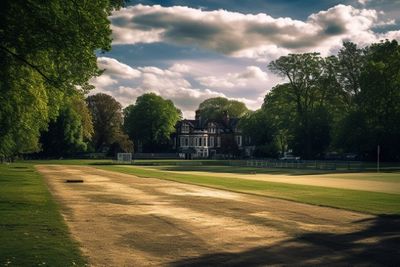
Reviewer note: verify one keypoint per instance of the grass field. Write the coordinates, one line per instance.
(388, 176)
(363, 201)
(32, 231)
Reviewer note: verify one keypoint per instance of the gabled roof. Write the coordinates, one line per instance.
(227, 128)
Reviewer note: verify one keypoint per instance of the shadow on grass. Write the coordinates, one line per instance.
(377, 245)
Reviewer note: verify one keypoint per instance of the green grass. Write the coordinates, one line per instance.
(32, 231)
(362, 201)
(393, 176)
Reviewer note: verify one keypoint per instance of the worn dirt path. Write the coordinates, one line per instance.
(123, 220)
(315, 180)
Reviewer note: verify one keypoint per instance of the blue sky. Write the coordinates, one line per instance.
(188, 51)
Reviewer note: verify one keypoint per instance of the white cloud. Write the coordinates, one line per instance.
(245, 35)
(103, 81)
(168, 83)
(116, 68)
(363, 2)
(235, 80)
(180, 68)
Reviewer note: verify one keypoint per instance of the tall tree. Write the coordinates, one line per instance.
(70, 132)
(280, 108)
(218, 107)
(47, 52)
(107, 121)
(377, 104)
(351, 61)
(259, 127)
(150, 121)
(312, 88)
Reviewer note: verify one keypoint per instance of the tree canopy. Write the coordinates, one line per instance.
(151, 120)
(70, 132)
(107, 122)
(347, 103)
(312, 90)
(216, 108)
(377, 102)
(47, 54)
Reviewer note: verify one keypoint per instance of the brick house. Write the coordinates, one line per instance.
(210, 139)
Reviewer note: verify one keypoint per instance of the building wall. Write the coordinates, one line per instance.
(204, 142)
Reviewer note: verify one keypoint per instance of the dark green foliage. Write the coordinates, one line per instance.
(315, 137)
(215, 109)
(151, 121)
(310, 96)
(47, 53)
(280, 107)
(377, 103)
(70, 132)
(351, 99)
(260, 128)
(107, 123)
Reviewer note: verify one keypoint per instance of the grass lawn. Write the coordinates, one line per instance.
(367, 202)
(388, 176)
(32, 231)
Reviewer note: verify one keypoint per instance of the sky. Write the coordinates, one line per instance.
(189, 51)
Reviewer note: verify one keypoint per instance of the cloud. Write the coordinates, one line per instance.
(169, 83)
(244, 35)
(115, 68)
(235, 80)
(363, 2)
(181, 68)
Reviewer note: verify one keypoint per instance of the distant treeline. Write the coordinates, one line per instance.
(349, 103)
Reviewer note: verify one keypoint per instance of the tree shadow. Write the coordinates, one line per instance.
(376, 245)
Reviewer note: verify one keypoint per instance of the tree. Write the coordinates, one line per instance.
(107, 122)
(70, 132)
(280, 107)
(378, 100)
(259, 127)
(351, 62)
(312, 87)
(216, 108)
(47, 53)
(151, 120)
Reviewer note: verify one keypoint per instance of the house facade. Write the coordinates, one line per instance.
(210, 139)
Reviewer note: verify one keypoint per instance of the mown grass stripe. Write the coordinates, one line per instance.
(362, 201)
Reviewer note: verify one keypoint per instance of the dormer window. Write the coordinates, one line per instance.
(185, 128)
(212, 128)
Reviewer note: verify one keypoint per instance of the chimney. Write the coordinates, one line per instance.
(198, 118)
(225, 117)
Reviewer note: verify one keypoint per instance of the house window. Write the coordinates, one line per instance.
(199, 141)
(187, 141)
(218, 141)
(212, 141)
(239, 140)
(185, 128)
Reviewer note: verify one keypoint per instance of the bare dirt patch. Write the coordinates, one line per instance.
(123, 220)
